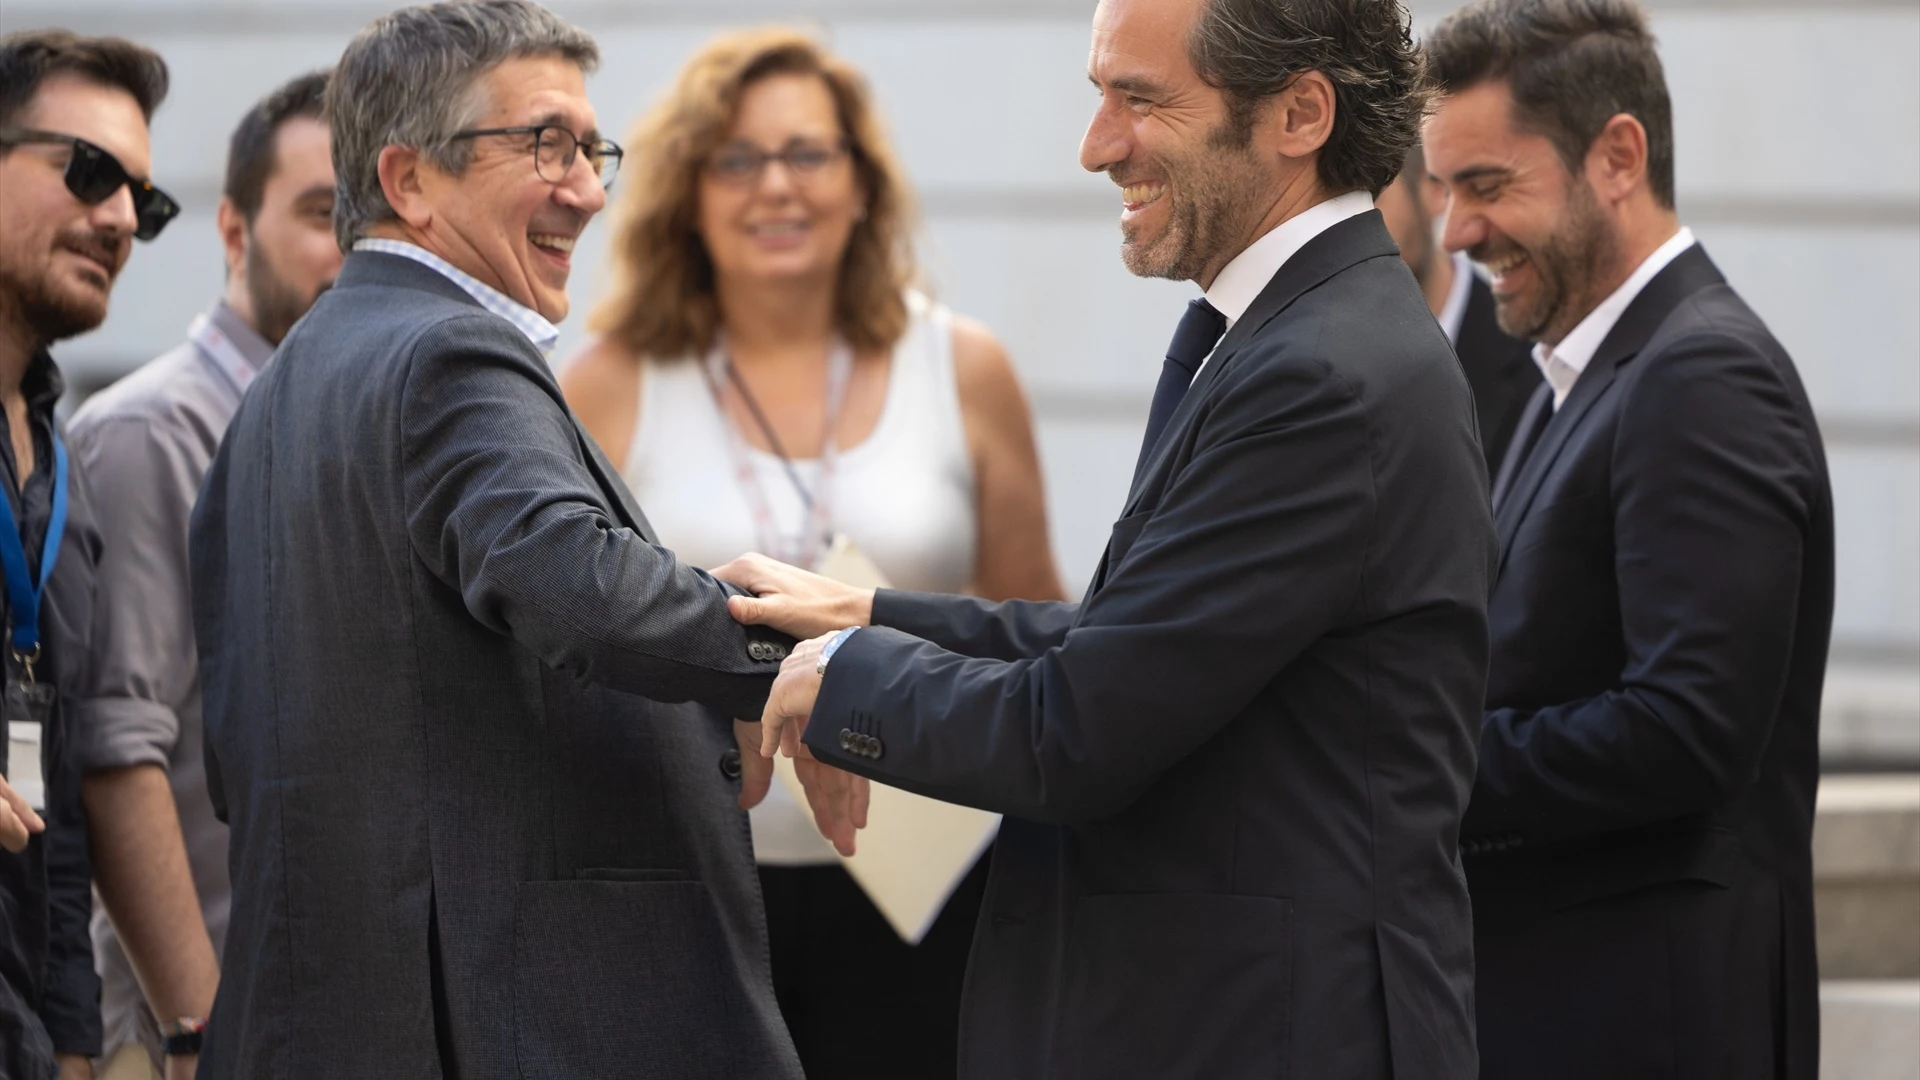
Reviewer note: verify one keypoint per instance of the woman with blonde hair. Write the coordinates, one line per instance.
(769, 380)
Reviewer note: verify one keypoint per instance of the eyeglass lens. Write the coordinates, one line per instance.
(555, 151)
(743, 162)
(93, 175)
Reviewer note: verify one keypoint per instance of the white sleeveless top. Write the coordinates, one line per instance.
(905, 495)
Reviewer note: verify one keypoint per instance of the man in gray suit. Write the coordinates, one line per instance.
(434, 632)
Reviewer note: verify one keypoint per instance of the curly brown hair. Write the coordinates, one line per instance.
(661, 302)
(1252, 49)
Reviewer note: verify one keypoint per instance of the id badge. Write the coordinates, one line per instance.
(26, 710)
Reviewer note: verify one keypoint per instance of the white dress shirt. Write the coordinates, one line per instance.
(1562, 364)
(542, 333)
(1242, 280)
(1453, 313)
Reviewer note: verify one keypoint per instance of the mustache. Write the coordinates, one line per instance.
(109, 249)
(568, 223)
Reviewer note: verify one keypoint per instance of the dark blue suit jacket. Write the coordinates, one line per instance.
(1234, 772)
(1638, 841)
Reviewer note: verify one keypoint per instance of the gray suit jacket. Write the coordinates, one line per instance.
(435, 638)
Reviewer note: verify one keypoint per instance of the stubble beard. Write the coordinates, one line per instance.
(1210, 190)
(276, 305)
(47, 311)
(1568, 263)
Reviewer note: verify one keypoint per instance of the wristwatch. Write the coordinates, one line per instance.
(183, 1036)
(832, 646)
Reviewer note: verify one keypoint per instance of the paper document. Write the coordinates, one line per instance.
(915, 850)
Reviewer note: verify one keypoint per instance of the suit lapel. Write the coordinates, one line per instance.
(1540, 402)
(1344, 244)
(1687, 274)
(1592, 385)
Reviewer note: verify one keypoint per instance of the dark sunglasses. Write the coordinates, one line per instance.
(93, 175)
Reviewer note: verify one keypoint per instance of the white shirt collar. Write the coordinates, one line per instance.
(1562, 364)
(1453, 313)
(538, 330)
(1242, 280)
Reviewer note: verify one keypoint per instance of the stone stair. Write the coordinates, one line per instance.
(1866, 866)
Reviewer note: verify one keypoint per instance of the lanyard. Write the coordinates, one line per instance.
(23, 594)
(222, 351)
(816, 532)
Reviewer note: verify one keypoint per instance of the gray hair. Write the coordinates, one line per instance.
(412, 78)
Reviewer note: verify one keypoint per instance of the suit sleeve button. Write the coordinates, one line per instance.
(846, 739)
(730, 764)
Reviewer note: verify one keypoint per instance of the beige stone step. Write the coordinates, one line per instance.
(1866, 869)
(1870, 1029)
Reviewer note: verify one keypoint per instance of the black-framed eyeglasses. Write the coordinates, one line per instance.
(554, 148)
(93, 175)
(741, 164)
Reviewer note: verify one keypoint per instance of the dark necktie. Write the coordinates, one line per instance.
(1200, 329)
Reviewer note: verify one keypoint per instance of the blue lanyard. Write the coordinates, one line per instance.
(23, 595)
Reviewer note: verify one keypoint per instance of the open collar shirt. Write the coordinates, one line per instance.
(538, 330)
(1562, 364)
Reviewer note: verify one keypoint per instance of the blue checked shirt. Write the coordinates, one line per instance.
(542, 333)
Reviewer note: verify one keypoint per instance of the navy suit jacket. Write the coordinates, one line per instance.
(1234, 772)
(1639, 837)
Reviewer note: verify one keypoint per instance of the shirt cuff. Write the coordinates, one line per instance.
(118, 732)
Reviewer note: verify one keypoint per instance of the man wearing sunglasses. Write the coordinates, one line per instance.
(73, 165)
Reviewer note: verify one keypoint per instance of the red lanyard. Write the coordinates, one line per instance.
(816, 533)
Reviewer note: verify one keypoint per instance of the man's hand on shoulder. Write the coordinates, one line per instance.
(791, 600)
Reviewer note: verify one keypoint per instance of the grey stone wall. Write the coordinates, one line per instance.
(1799, 167)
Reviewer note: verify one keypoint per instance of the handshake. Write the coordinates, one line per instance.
(812, 608)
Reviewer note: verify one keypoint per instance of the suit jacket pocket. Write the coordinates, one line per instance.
(1565, 520)
(632, 873)
(1173, 985)
(618, 978)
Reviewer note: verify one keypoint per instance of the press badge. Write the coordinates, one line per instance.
(27, 708)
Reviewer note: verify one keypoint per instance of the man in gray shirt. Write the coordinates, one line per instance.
(145, 443)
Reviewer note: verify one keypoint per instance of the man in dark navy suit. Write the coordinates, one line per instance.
(1233, 773)
(1638, 839)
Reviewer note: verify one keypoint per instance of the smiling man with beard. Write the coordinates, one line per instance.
(74, 153)
(1639, 838)
(473, 834)
(160, 856)
(1233, 774)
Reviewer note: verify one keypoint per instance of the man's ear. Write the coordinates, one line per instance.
(1299, 119)
(233, 234)
(1617, 160)
(400, 182)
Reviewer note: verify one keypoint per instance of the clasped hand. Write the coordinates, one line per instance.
(18, 822)
(805, 605)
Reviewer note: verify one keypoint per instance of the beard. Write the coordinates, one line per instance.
(53, 308)
(1566, 264)
(1209, 203)
(276, 304)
